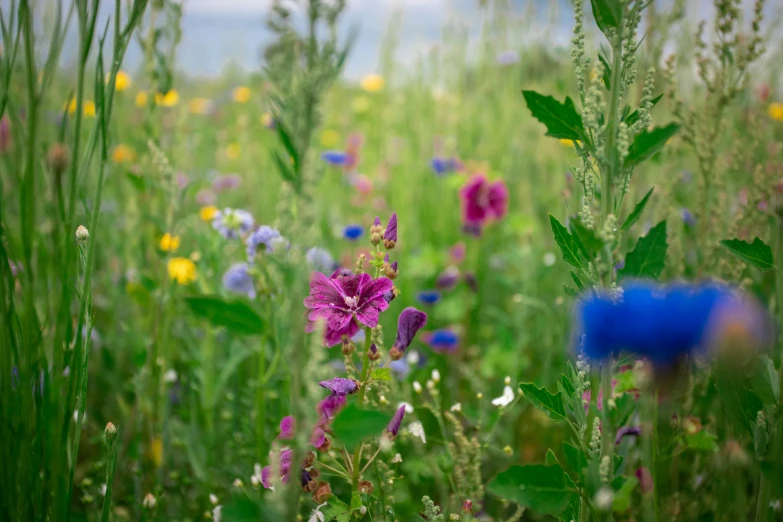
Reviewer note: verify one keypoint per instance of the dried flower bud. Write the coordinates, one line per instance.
(467, 506)
(325, 446)
(372, 353)
(391, 271)
(110, 432)
(322, 492)
(348, 347)
(376, 228)
(58, 158)
(82, 234)
(309, 460)
(395, 354)
(365, 486)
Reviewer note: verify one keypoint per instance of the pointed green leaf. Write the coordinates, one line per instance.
(636, 213)
(562, 120)
(648, 143)
(589, 244)
(607, 13)
(566, 242)
(550, 459)
(623, 493)
(648, 258)
(632, 118)
(336, 510)
(757, 254)
(764, 381)
(236, 316)
(607, 79)
(381, 374)
(577, 281)
(353, 425)
(543, 489)
(570, 292)
(544, 400)
(575, 458)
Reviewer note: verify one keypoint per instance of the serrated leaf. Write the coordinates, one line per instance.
(648, 143)
(562, 120)
(549, 403)
(589, 244)
(353, 425)
(236, 316)
(648, 258)
(757, 254)
(636, 213)
(336, 510)
(764, 381)
(543, 489)
(566, 242)
(577, 281)
(381, 374)
(607, 13)
(701, 441)
(632, 118)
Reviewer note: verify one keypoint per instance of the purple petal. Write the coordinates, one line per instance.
(333, 337)
(287, 427)
(410, 321)
(394, 425)
(391, 229)
(340, 386)
(627, 430)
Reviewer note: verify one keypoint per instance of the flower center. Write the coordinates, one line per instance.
(482, 198)
(351, 302)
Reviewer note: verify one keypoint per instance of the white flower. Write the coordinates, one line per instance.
(505, 399)
(383, 400)
(417, 386)
(255, 478)
(102, 490)
(397, 459)
(316, 515)
(507, 381)
(456, 407)
(217, 513)
(170, 376)
(412, 358)
(549, 259)
(417, 430)
(430, 384)
(408, 407)
(238, 483)
(436, 375)
(603, 499)
(213, 498)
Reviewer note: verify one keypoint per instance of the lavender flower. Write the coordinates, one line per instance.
(687, 218)
(410, 321)
(340, 386)
(441, 166)
(339, 301)
(448, 278)
(238, 279)
(226, 182)
(263, 235)
(396, 421)
(319, 259)
(441, 340)
(231, 223)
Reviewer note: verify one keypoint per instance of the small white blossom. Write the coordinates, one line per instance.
(412, 358)
(213, 499)
(217, 513)
(435, 375)
(316, 515)
(408, 407)
(170, 376)
(397, 459)
(549, 259)
(417, 386)
(102, 490)
(383, 400)
(456, 407)
(505, 399)
(238, 483)
(363, 510)
(507, 381)
(417, 430)
(479, 395)
(430, 384)
(603, 499)
(255, 479)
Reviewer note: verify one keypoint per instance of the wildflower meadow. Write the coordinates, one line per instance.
(512, 279)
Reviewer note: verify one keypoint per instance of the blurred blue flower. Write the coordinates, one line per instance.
(428, 297)
(238, 279)
(444, 165)
(664, 323)
(337, 158)
(507, 58)
(687, 218)
(263, 235)
(231, 223)
(320, 259)
(353, 232)
(443, 340)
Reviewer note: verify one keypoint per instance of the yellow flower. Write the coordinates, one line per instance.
(141, 99)
(207, 213)
(89, 108)
(169, 243)
(156, 451)
(199, 105)
(373, 83)
(170, 99)
(330, 138)
(775, 111)
(242, 94)
(360, 104)
(266, 119)
(123, 154)
(122, 82)
(182, 270)
(566, 143)
(233, 150)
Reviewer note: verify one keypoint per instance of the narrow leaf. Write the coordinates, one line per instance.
(757, 254)
(566, 242)
(632, 118)
(648, 258)
(562, 120)
(544, 400)
(607, 13)
(577, 281)
(636, 213)
(648, 143)
(589, 244)
(236, 316)
(607, 79)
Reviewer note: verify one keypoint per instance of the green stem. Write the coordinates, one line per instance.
(615, 96)
(111, 443)
(357, 454)
(650, 454)
(261, 399)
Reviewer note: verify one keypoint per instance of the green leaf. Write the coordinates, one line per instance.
(634, 116)
(356, 500)
(336, 510)
(575, 458)
(578, 283)
(138, 182)
(648, 258)
(623, 493)
(562, 120)
(648, 143)
(544, 400)
(607, 13)
(550, 459)
(757, 254)
(227, 370)
(353, 425)
(236, 316)
(570, 291)
(764, 381)
(607, 79)
(566, 242)
(285, 139)
(760, 440)
(702, 441)
(589, 244)
(636, 213)
(543, 489)
(381, 374)
(739, 402)
(568, 386)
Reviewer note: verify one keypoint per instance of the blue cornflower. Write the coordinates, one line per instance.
(664, 323)
(320, 259)
(441, 340)
(231, 223)
(444, 165)
(263, 235)
(428, 297)
(353, 232)
(337, 158)
(687, 218)
(238, 279)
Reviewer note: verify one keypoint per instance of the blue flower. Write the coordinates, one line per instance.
(687, 218)
(238, 279)
(353, 232)
(263, 235)
(441, 340)
(444, 165)
(429, 297)
(231, 223)
(337, 158)
(664, 323)
(320, 259)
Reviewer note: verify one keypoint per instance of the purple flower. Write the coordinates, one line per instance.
(205, 197)
(448, 278)
(329, 407)
(287, 428)
(339, 300)
(390, 234)
(627, 430)
(263, 235)
(226, 182)
(410, 321)
(340, 386)
(396, 421)
(237, 279)
(319, 259)
(482, 201)
(504, 58)
(285, 467)
(231, 223)
(428, 297)
(687, 218)
(445, 165)
(457, 252)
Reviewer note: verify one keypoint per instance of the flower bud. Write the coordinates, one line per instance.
(309, 460)
(395, 354)
(82, 234)
(417, 386)
(110, 432)
(365, 486)
(375, 239)
(149, 502)
(322, 492)
(363, 510)
(348, 347)
(390, 234)
(391, 271)
(372, 353)
(327, 444)
(467, 506)
(376, 228)
(58, 158)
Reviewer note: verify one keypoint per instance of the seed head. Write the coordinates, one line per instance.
(58, 158)
(110, 433)
(82, 234)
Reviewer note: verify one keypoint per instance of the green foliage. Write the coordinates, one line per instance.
(757, 254)
(608, 13)
(561, 119)
(549, 403)
(637, 211)
(353, 425)
(543, 489)
(237, 316)
(647, 143)
(648, 258)
(567, 243)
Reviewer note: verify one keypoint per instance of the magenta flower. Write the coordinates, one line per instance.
(338, 301)
(285, 467)
(410, 321)
(394, 424)
(482, 201)
(286, 428)
(340, 386)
